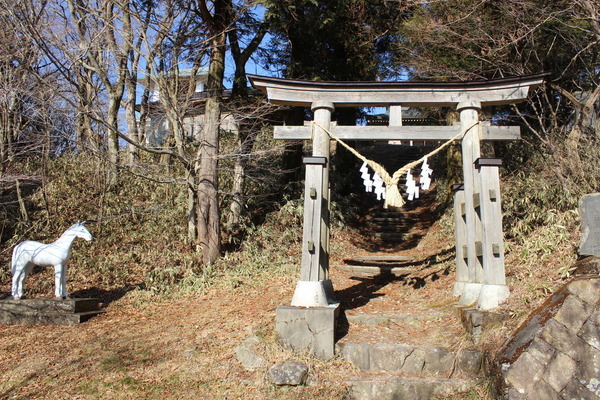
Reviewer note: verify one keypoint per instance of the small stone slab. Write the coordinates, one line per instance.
(407, 388)
(48, 311)
(247, 355)
(589, 211)
(363, 271)
(50, 305)
(293, 373)
(475, 321)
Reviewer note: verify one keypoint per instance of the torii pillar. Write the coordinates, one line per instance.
(309, 323)
(314, 288)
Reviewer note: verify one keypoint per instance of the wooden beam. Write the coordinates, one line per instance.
(411, 94)
(424, 133)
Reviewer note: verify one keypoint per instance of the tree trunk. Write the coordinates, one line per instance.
(246, 143)
(132, 123)
(207, 190)
(113, 140)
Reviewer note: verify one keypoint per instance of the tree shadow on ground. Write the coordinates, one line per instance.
(366, 289)
(106, 296)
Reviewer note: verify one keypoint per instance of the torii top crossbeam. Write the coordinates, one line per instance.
(414, 94)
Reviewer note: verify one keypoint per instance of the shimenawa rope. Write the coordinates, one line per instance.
(393, 197)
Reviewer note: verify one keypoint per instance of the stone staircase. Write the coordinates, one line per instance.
(403, 350)
(392, 226)
(400, 371)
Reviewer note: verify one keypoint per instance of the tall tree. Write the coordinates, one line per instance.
(474, 39)
(338, 40)
(208, 223)
(26, 105)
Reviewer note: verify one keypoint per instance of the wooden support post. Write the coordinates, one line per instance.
(321, 145)
(312, 249)
(314, 288)
(494, 290)
(471, 150)
(460, 231)
(395, 120)
(395, 115)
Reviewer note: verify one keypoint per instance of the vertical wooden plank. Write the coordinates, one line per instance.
(494, 290)
(460, 233)
(471, 150)
(395, 115)
(311, 237)
(321, 141)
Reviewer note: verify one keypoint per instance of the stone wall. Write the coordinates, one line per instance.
(555, 354)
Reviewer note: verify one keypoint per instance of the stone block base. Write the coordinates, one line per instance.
(476, 321)
(308, 329)
(47, 311)
(470, 293)
(492, 295)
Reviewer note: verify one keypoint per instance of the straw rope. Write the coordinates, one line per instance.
(393, 197)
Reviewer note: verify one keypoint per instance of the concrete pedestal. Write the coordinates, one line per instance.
(47, 311)
(313, 294)
(491, 296)
(308, 329)
(470, 293)
(458, 289)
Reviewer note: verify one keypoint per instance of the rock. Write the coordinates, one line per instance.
(556, 353)
(246, 354)
(589, 210)
(289, 372)
(560, 372)
(587, 266)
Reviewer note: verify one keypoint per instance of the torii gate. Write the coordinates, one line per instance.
(480, 275)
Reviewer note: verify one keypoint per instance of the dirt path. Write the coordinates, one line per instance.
(171, 349)
(147, 347)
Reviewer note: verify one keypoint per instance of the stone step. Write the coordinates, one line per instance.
(413, 360)
(371, 319)
(395, 236)
(389, 228)
(407, 388)
(393, 218)
(380, 259)
(364, 271)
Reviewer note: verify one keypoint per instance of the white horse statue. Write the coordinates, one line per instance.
(29, 253)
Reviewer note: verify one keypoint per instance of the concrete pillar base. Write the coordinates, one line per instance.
(308, 329)
(458, 289)
(311, 294)
(491, 296)
(470, 293)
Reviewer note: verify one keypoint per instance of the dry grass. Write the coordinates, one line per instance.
(171, 325)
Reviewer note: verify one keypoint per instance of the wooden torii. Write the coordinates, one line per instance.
(480, 275)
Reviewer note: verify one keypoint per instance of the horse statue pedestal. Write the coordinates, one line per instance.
(48, 311)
